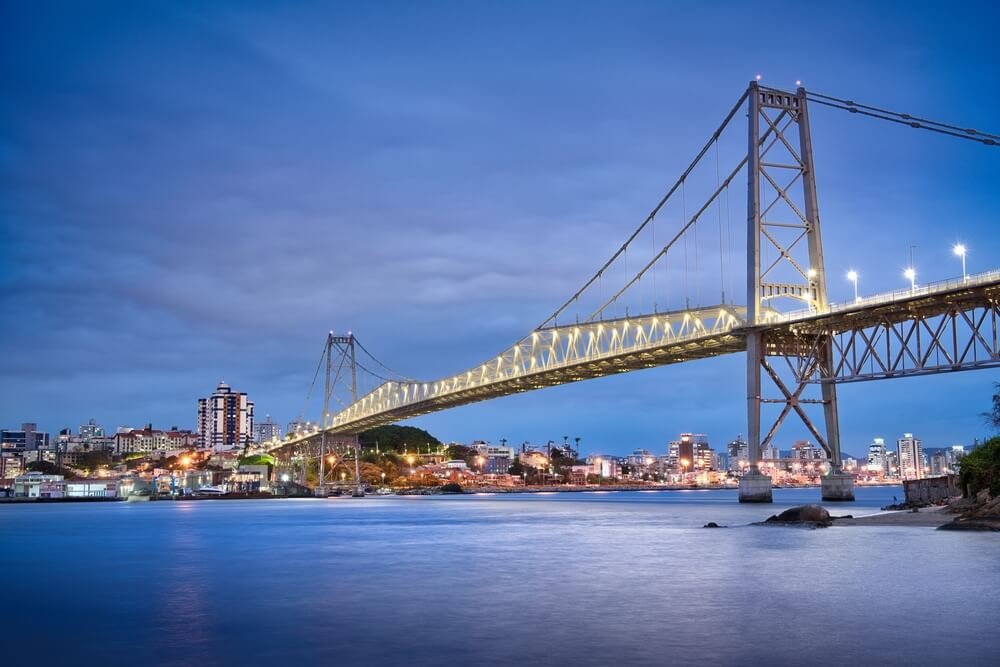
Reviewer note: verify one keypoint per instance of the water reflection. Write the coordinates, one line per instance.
(564, 579)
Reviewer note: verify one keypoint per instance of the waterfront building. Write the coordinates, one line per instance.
(911, 457)
(739, 453)
(225, 419)
(534, 459)
(38, 485)
(267, 430)
(29, 438)
(770, 453)
(147, 440)
(877, 461)
(805, 451)
(892, 463)
(90, 488)
(690, 452)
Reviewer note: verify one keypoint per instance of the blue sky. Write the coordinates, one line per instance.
(198, 192)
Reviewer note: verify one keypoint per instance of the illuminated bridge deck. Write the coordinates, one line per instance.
(564, 354)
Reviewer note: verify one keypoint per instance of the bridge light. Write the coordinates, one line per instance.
(959, 250)
(911, 274)
(811, 273)
(852, 275)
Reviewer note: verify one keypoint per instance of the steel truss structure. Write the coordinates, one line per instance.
(949, 331)
(781, 214)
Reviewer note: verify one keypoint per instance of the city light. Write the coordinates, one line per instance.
(911, 274)
(852, 275)
(959, 250)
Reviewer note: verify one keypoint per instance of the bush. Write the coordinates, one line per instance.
(980, 469)
(451, 487)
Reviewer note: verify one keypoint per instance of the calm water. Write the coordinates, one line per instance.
(562, 579)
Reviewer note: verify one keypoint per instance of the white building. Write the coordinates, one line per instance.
(911, 457)
(225, 419)
(267, 430)
(878, 464)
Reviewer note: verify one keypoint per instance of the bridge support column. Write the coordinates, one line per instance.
(755, 487)
(838, 486)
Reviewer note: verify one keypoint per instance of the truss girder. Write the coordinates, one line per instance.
(920, 336)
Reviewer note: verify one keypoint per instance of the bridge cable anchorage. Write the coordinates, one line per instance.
(905, 119)
(654, 212)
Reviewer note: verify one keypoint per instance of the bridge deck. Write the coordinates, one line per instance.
(560, 355)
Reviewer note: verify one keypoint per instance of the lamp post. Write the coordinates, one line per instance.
(959, 250)
(852, 275)
(911, 274)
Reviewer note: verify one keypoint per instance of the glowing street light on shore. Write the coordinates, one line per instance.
(959, 250)
(852, 275)
(911, 275)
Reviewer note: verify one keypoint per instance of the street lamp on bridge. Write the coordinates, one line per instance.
(911, 274)
(852, 275)
(959, 250)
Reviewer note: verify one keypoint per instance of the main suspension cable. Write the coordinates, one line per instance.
(905, 119)
(654, 212)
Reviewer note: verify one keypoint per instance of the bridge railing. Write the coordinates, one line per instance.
(881, 298)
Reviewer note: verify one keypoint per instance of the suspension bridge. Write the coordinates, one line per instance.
(636, 311)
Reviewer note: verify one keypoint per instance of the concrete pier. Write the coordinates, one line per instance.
(755, 488)
(837, 486)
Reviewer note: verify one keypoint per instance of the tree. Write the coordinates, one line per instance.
(980, 469)
(395, 438)
(94, 459)
(49, 468)
(993, 416)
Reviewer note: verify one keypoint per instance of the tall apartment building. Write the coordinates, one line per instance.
(911, 457)
(225, 419)
(691, 452)
(878, 463)
(29, 438)
(267, 430)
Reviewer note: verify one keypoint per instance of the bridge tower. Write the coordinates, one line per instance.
(782, 211)
(344, 346)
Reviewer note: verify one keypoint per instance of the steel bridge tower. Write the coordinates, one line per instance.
(782, 211)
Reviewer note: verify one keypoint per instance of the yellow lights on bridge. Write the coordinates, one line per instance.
(911, 274)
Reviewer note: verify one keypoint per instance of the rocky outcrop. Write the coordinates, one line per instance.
(979, 513)
(812, 516)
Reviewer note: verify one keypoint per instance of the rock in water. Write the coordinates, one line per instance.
(805, 514)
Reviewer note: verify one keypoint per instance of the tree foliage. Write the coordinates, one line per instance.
(49, 468)
(257, 460)
(396, 438)
(993, 416)
(980, 469)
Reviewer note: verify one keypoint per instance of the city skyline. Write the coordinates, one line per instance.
(222, 237)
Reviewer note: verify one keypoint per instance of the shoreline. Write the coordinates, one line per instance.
(927, 517)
